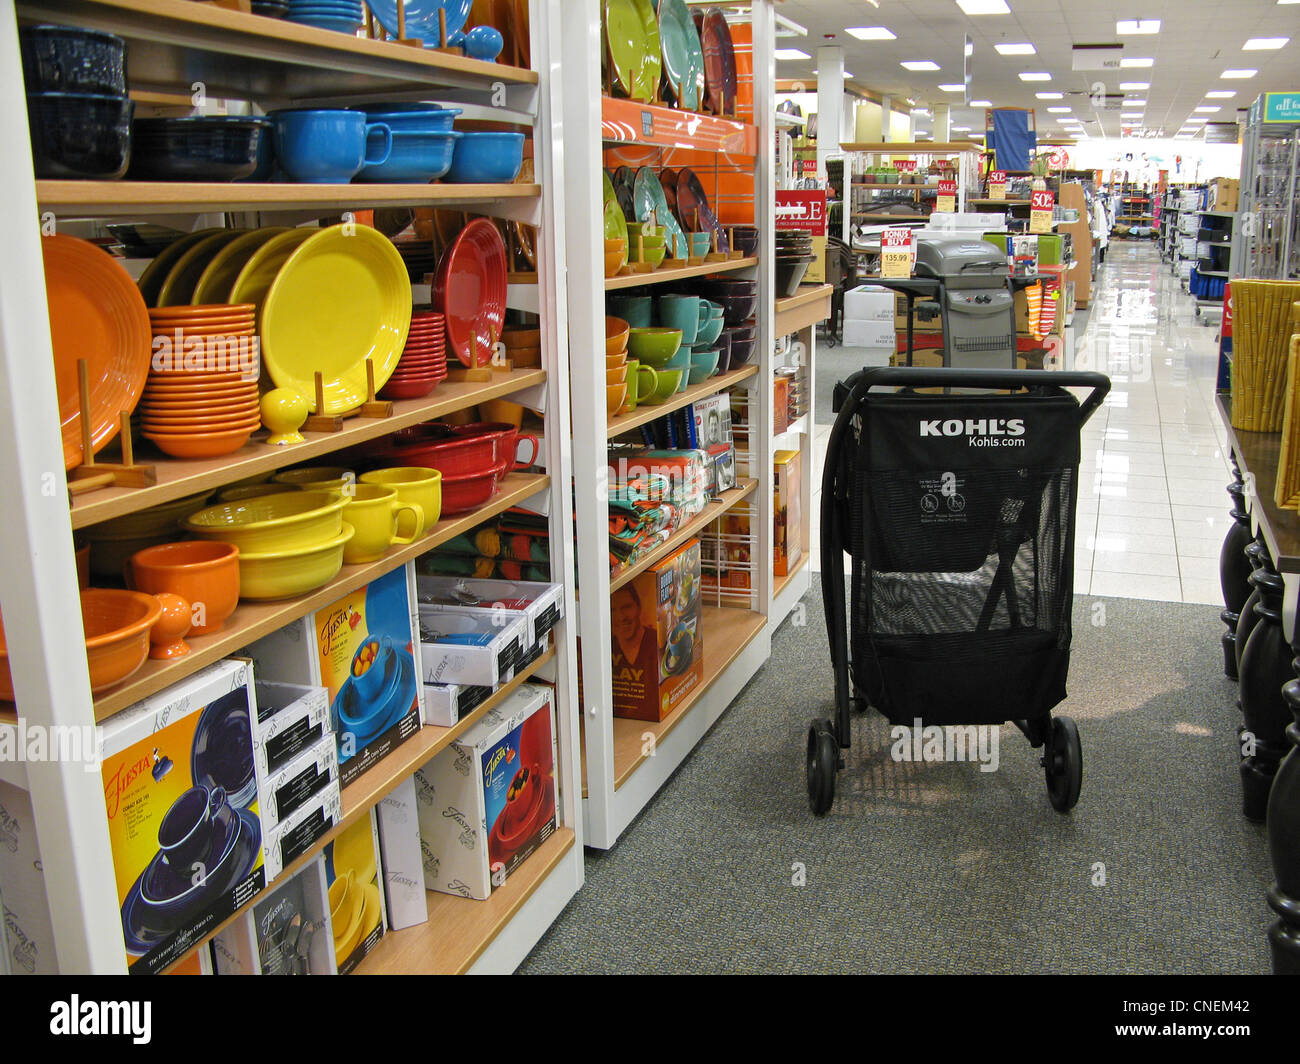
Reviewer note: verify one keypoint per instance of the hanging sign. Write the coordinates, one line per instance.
(947, 201)
(896, 248)
(1041, 204)
(997, 184)
(802, 208)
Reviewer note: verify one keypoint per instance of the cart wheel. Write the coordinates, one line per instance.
(1063, 765)
(823, 758)
(860, 705)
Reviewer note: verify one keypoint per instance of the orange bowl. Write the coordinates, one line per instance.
(199, 444)
(614, 396)
(501, 410)
(616, 334)
(204, 572)
(513, 338)
(613, 263)
(616, 374)
(182, 378)
(213, 393)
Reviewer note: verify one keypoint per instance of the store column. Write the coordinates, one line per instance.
(830, 117)
(942, 123)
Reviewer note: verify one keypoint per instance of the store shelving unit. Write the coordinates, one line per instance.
(174, 44)
(626, 761)
(1269, 245)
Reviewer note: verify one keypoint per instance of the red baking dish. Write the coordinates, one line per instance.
(450, 454)
(461, 494)
(506, 438)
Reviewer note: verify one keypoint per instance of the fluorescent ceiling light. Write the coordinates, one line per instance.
(791, 53)
(1015, 49)
(1133, 103)
(1061, 96)
(1190, 121)
(1225, 94)
(989, 7)
(1144, 61)
(1207, 110)
(919, 64)
(870, 33)
(1060, 110)
(1139, 86)
(962, 88)
(989, 103)
(1264, 44)
(1035, 75)
(1138, 25)
(1241, 74)
(966, 129)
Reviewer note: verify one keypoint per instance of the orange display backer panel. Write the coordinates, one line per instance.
(728, 179)
(633, 122)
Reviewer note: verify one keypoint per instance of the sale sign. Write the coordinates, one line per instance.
(802, 208)
(809, 166)
(907, 166)
(997, 184)
(1041, 204)
(896, 250)
(947, 201)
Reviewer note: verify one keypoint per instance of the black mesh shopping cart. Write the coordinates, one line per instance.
(956, 508)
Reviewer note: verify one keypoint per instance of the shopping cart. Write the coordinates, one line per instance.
(957, 510)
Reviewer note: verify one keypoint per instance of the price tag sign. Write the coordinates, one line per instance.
(905, 165)
(947, 201)
(1040, 211)
(809, 166)
(896, 249)
(997, 184)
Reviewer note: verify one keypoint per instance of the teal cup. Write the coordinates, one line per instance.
(704, 363)
(701, 244)
(680, 312)
(637, 311)
(707, 334)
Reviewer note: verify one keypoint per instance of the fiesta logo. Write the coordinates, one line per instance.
(992, 426)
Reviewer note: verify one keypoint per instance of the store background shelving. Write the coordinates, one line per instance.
(1269, 244)
(273, 63)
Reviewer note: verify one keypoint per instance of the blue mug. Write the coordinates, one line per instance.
(328, 146)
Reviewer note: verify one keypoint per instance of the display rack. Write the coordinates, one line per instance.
(1269, 245)
(274, 63)
(626, 761)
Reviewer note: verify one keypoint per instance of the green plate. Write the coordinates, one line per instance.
(646, 78)
(625, 42)
(682, 55)
(615, 224)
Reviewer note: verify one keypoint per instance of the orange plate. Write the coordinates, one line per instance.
(183, 426)
(200, 409)
(96, 313)
(204, 310)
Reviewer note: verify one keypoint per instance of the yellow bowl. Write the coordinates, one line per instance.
(290, 521)
(316, 478)
(286, 573)
(414, 484)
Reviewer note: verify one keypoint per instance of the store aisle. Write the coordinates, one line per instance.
(1152, 507)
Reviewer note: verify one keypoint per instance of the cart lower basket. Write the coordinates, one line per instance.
(955, 505)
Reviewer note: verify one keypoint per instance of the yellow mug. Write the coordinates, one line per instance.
(417, 485)
(374, 510)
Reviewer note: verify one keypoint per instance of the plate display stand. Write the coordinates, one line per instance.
(372, 407)
(92, 473)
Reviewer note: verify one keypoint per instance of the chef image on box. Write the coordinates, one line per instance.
(635, 644)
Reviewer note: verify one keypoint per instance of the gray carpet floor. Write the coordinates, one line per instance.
(940, 867)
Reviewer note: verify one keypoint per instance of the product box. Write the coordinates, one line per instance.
(489, 800)
(657, 638)
(1223, 194)
(295, 783)
(26, 929)
(541, 603)
(356, 894)
(181, 794)
(399, 846)
(446, 703)
(869, 302)
(290, 718)
(471, 644)
(363, 650)
(196, 962)
(298, 832)
(874, 335)
(788, 541)
(781, 403)
(285, 933)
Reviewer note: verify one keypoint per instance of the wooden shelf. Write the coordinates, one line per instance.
(712, 511)
(634, 122)
(252, 620)
(104, 199)
(174, 43)
(808, 306)
(180, 477)
(780, 582)
(920, 147)
(999, 202)
(372, 786)
(460, 929)
(645, 413)
(636, 280)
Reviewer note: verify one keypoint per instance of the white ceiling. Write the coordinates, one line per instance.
(1198, 40)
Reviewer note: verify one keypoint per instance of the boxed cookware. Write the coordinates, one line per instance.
(471, 644)
(356, 893)
(26, 930)
(489, 800)
(295, 783)
(298, 832)
(787, 545)
(541, 603)
(446, 703)
(362, 649)
(285, 933)
(291, 718)
(657, 638)
(399, 846)
(181, 792)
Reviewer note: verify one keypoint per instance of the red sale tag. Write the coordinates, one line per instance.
(897, 238)
(1041, 201)
(997, 177)
(896, 252)
(908, 165)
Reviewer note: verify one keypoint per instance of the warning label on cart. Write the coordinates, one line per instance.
(942, 501)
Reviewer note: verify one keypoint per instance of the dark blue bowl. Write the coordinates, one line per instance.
(413, 117)
(68, 59)
(416, 159)
(78, 135)
(487, 158)
(338, 25)
(202, 148)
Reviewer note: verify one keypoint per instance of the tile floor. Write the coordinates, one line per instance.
(1152, 508)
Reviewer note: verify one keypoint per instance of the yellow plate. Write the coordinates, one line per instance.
(354, 851)
(151, 281)
(258, 274)
(219, 276)
(179, 286)
(343, 296)
(285, 574)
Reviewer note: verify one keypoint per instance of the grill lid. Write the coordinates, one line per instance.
(961, 262)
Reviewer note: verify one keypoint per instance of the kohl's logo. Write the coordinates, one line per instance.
(992, 426)
(133, 1019)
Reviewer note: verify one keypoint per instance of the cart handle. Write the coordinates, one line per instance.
(935, 377)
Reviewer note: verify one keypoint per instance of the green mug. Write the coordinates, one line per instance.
(636, 374)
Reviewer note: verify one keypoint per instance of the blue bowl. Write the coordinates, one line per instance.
(324, 22)
(348, 11)
(79, 135)
(69, 59)
(413, 117)
(199, 148)
(319, 146)
(416, 159)
(487, 158)
(484, 43)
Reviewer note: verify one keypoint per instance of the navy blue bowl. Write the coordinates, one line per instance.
(78, 135)
(487, 158)
(68, 59)
(202, 148)
(416, 159)
(413, 117)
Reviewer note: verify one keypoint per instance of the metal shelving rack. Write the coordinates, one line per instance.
(172, 44)
(626, 761)
(1267, 242)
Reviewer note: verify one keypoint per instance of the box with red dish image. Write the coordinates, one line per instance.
(657, 638)
(363, 650)
(488, 801)
(356, 892)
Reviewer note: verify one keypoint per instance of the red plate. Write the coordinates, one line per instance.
(470, 290)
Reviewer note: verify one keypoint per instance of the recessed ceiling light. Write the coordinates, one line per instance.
(1192, 121)
(870, 33)
(1015, 49)
(966, 129)
(1134, 103)
(1264, 44)
(1207, 110)
(791, 53)
(1242, 74)
(1060, 110)
(1138, 25)
(1139, 86)
(962, 88)
(919, 64)
(1225, 94)
(989, 103)
(988, 7)
(1035, 75)
(1060, 96)
(1144, 61)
